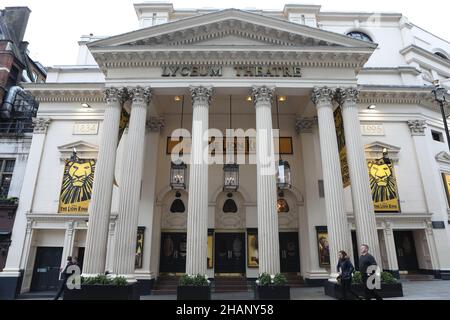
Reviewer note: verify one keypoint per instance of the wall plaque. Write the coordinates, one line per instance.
(372, 129)
(85, 128)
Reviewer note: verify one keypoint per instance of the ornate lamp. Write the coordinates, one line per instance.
(178, 168)
(283, 175)
(284, 169)
(231, 171)
(177, 175)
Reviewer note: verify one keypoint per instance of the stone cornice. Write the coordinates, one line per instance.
(135, 57)
(397, 95)
(67, 92)
(429, 55)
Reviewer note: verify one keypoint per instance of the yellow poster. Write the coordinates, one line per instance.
(446, 178)
(76, 189)
(339, 124)
(384, 186)
(210, 259)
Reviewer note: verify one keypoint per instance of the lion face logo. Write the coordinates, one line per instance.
(382, 181)
(78, 181)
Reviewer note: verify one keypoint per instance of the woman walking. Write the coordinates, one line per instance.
(345, 269)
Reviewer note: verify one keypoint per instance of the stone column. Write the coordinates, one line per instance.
(434, 192)
(69, 238)
(197, 219)
(100, 206)
(366, 225)
(268, 238)
(338, 231)
(130, 187)
(19, 251)
(390, 249)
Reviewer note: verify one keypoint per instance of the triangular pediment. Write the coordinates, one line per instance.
(374, 151)
(255, 28)
(443, 157)
(84, 150)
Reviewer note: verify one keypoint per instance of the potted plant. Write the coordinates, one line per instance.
(390, 286)
(272, 287)
(103, 287)
(194, 287)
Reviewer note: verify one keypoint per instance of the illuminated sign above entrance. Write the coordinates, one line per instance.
(254, 71)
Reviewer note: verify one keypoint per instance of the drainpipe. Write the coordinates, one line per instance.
(7, 107)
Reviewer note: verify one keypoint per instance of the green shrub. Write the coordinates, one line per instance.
(279, 280)
(266, 279)
(386, 277)
(194, 280)
(104, 280)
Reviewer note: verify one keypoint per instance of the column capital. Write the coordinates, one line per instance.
(113, 95)
(155, 124)
(417, 127)
(40, 125)
(140, 95)
(262, 94)
(305, 125)
(322, 95)
(201, 94)
(346, 95)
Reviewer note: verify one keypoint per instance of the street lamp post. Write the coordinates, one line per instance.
(439, 96)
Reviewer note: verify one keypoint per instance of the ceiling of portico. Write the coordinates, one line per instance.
(230, 36)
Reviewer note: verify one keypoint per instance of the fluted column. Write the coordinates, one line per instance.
(197, 219)
(130, 185)
(100, 206)
(268, 238)
(338, 231)
(366, 225)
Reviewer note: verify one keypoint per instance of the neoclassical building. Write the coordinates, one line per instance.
(343, 144)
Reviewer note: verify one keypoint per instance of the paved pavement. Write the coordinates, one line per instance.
(412, 290)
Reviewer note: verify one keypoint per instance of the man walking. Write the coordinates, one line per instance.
(365, 261)
(64, 277)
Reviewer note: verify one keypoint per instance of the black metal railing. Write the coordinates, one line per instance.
(16, 127)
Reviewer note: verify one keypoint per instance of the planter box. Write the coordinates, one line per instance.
(272, 293)
(103, 292)
(388, 290)
(194, 293)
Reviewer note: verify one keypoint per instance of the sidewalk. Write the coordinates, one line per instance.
(412, 290)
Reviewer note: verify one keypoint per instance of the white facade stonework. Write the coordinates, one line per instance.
(210, 53)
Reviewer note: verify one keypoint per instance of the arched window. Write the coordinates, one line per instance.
(177, 206)
(359, 36)
(441, 55)
(230, 206)
(282, 206)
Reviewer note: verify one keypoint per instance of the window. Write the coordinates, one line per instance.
(437, 136)
(321, 189)
(6, 172)
(441, 55)
(359, 36)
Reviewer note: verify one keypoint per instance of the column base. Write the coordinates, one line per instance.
(10, 284)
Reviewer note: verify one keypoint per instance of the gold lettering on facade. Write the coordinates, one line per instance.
(251, 71)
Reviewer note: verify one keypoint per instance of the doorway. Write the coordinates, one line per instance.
(229, 253)
(289, 252)
(173, 252)
(46, 269)
(406, 251)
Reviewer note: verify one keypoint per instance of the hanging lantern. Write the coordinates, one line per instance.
(284, 175)
(177, 175)
(230, 177)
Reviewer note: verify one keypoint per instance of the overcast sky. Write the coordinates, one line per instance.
(55, 26)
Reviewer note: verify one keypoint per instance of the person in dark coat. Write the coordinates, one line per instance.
(345, 269)
(64, 277)
(365, 261)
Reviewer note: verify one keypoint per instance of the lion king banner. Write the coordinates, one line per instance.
(383, 185)
(339, 124)
(76, 189)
